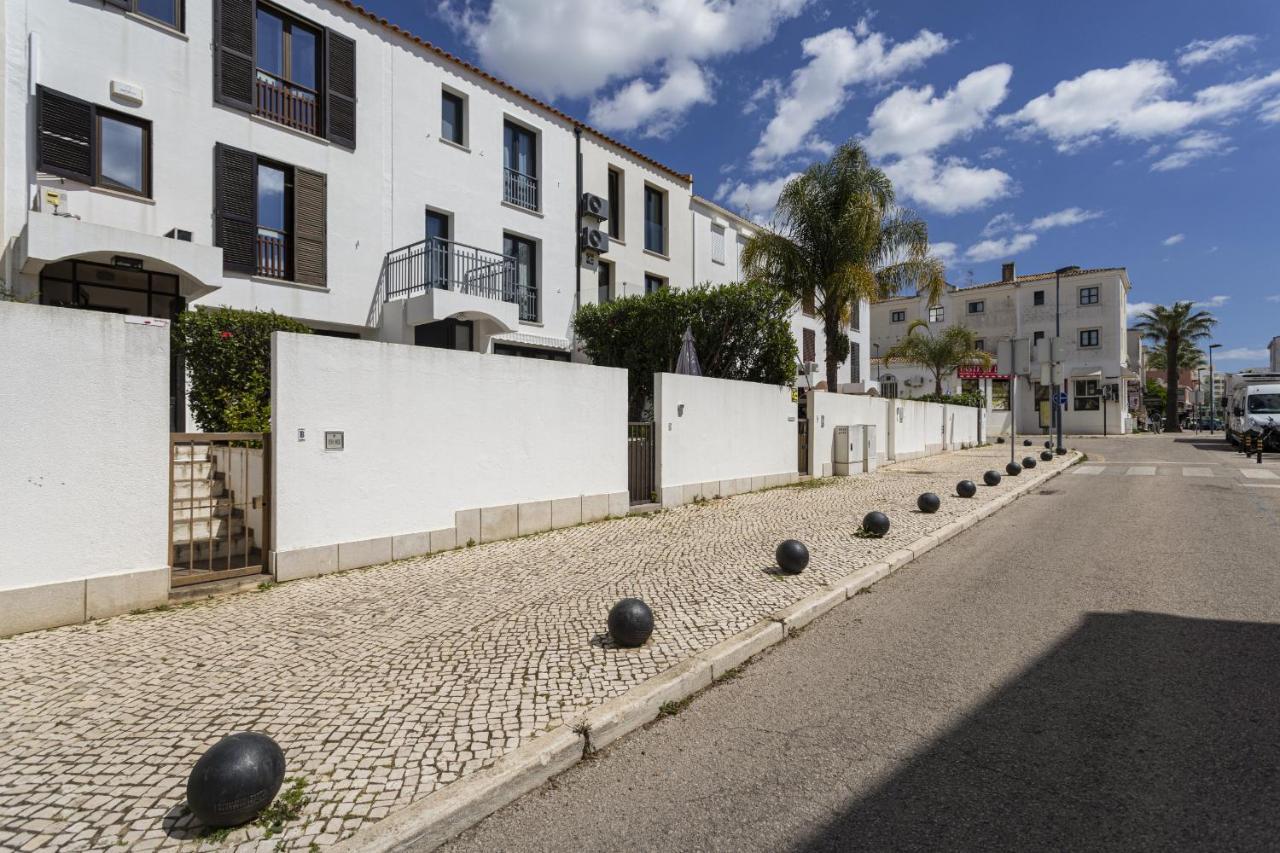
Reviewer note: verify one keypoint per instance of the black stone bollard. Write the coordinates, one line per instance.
(630, 622)
(1013, 469)
(1062, 451)
(928, 502)
(1048, 445)
(1046, 455)
(792, 556)
(235, 779)
(999, 439)
(876, 523)
(1028, 462)
(966, 488)
(991, 478)
(1026, 442)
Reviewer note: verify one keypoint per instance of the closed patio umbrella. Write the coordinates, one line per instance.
(687, 363)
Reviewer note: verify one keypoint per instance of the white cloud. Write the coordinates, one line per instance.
(1004, 247)
(1174, 239)
(1193, 147)
(1213, 301)
(993, 153)
(1064, 218)
(1136, 308)
(577, 48)
(768, 90)
(1132, 103)
(913, 121)
(654, 111)
(949, 186)
(946, 251)
(835, 61)
(1000, 223)
(1241, 354)
(1201, 51)
(1270, 111)
(755, 199)
(1275, 298)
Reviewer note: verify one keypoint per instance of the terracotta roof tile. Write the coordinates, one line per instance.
(485, 75)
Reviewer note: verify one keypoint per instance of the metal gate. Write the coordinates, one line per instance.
(219, 518)
(640, 462)
(802, 445)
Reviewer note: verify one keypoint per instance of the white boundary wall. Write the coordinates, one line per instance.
(721, 437)
(84, 450)
(441, 448)
(961, 424)
(828, 411)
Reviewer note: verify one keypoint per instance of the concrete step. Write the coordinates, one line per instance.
(188, 471)
(201, 507)
(218, 588)
(200, 529)
(183, 552)
(184, 489)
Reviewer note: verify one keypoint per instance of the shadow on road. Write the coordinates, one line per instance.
(1139, 731)
(1208, 442)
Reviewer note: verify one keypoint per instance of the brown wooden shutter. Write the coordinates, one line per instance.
(236, 210)
(64, 133)
(233, 52)
(810, 341)
(309, 226)
(340, 89)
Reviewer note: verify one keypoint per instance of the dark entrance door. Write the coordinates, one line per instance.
(93, 286)
(446, 334)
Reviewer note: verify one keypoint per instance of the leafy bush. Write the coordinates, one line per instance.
(741, 331)
(968, 398)
(228, 361)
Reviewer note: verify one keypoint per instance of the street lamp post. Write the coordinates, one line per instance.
(1057, 337)
(1213, 400)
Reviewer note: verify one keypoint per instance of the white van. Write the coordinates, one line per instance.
(1252, 405)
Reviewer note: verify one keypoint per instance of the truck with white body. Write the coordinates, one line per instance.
(1252, 405)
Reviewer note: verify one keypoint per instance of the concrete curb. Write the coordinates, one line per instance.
(460, 805)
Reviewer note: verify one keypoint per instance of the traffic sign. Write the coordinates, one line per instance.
(1060, 398)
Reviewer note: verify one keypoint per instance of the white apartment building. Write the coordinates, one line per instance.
(718, 236)
(306, 157)
(1096, 344)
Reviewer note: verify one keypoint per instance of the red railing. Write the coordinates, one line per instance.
(291, 105)
(273, 253)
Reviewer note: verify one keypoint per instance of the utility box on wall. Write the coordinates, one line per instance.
(854, 451)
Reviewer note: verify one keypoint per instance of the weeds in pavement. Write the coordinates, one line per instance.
(670, 709)
(288, 806)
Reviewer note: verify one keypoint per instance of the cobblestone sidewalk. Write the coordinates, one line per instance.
(384, 684)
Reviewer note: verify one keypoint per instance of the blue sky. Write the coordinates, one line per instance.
(1117, 133)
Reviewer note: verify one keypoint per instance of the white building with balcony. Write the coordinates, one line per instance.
(1095, 340)
(317, 162)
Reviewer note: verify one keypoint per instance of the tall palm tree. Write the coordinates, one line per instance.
(838, 237)
(1175, 330)
(1190, 357)
(939, 354)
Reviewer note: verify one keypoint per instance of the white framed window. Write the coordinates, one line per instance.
(717, 244)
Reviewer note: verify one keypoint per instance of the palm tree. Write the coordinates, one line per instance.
(1190, 357)
(940, 354)
(838, 238)
(1177, 330)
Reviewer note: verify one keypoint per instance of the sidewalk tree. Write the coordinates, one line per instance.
(939, 354)
(837, 238)
(1175, 329)
(228, 360)
(741, 331)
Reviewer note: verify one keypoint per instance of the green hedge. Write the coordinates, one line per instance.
(741, 331)
(228, 362)
(969, 398)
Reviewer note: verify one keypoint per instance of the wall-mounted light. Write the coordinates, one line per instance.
(680, 410)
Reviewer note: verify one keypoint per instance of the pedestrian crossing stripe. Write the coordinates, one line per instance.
(1258, 473)
(1141, 471)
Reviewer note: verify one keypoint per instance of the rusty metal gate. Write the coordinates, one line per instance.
(219, 518)
(640, 462)
(802, 444)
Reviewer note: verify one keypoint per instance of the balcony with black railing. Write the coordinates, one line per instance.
(519, 189)
(437, 264)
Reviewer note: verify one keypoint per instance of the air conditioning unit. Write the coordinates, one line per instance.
(593, 205)
(594, 240)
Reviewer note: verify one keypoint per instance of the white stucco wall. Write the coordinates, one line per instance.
(828, 411)
(429, 432)
(84, 445)
(961, 425)
(721, 429)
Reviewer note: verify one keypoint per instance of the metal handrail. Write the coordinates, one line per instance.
(286, 102)
(449, 265)
(519, 189)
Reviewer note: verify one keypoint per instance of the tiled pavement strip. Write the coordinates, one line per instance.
(385, 684)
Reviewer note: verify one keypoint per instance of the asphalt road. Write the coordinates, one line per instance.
(1096, 667)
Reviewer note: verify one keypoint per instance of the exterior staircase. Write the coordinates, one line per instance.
(207, 519)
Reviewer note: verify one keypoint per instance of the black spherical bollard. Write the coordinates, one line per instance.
(1046, 455)
(999, 439)
(235, 779)
(792, 556)
(1048, 445)
(1013, 469)
(1028, 462)
(1026, 442)
(966, 488)
(630, 622)
(991, 478)
(1062, 451)
(929, 502)
(875, 523)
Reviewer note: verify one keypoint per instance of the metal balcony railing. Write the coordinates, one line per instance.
(446, 265)
(288, 103)
(520, 189)
(273, 253)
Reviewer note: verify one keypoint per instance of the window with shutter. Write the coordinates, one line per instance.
(855, 361)
(64, 127)
(235, 214)
(717, 244)
(309, 225)
(809, 347)
(340, 80)
(233, 51)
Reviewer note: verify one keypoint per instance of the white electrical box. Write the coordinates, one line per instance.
(869, 448)
(854, 450)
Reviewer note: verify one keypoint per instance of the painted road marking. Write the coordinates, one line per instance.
(1080, 472)
(1260, 485)
(1256, 474)
(1196, 472)
(1142, 471)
